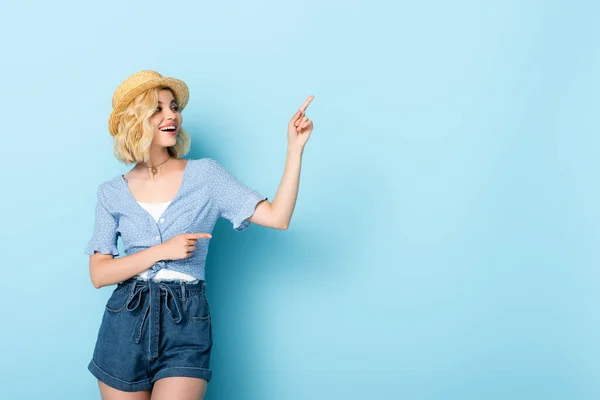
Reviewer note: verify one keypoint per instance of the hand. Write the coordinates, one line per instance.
(300, 127)
(181, 246)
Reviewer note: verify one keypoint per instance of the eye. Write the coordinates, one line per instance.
(175, 108)
(158, 109)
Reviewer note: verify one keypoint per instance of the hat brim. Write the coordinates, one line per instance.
(178, 87)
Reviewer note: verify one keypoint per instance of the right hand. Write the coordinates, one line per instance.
(181, 246)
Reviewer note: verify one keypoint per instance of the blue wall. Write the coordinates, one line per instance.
(445, 243)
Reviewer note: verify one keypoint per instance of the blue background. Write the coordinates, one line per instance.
(445, 240)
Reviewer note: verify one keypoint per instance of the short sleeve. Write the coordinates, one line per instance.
(235, 201)
(104, 237)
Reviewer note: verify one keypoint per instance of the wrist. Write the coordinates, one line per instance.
(295, 151)
(156, 253)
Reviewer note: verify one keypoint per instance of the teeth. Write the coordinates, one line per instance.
(168, 128)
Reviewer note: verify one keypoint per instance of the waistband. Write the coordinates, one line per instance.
(195, 287)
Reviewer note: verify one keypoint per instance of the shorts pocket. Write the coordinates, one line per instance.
(119, 299)
(196, 307)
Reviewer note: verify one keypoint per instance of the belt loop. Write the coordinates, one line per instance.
(133, 284)
(182, 291)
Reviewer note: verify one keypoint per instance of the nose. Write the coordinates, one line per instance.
(170, 114)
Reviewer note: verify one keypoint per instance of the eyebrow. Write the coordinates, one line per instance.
(172, 101)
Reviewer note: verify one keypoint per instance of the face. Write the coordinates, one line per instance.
(166, 121)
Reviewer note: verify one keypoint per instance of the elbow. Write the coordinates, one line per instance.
(98, 271)
(283, 226)
(97, 284)
(94, 278)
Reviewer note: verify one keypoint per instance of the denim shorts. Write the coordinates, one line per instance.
(152, 330)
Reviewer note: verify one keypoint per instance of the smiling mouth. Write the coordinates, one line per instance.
(169, 129)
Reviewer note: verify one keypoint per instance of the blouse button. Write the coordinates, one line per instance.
(162, 220)
(158, 238)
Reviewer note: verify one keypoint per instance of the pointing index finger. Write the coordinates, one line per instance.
(304, 106)
(199, 236)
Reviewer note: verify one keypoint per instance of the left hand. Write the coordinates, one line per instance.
(300, 127)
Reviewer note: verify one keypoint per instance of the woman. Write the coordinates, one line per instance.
(155, 339)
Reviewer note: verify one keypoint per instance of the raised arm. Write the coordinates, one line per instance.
(278, 214)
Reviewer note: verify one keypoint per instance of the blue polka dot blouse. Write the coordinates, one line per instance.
(207, 192)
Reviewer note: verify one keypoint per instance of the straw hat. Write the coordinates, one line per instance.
(135, 85)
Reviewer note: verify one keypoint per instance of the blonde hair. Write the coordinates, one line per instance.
(134, 134)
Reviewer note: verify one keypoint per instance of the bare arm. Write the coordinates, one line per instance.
(278, 214)
(105, 270)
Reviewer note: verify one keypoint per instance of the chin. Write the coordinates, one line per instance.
(170, 142)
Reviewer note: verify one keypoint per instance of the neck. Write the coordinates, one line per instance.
(157, 156)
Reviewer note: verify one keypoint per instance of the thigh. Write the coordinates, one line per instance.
(109, 393)
(179, 388)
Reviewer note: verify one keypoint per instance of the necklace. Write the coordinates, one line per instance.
(153, 169)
